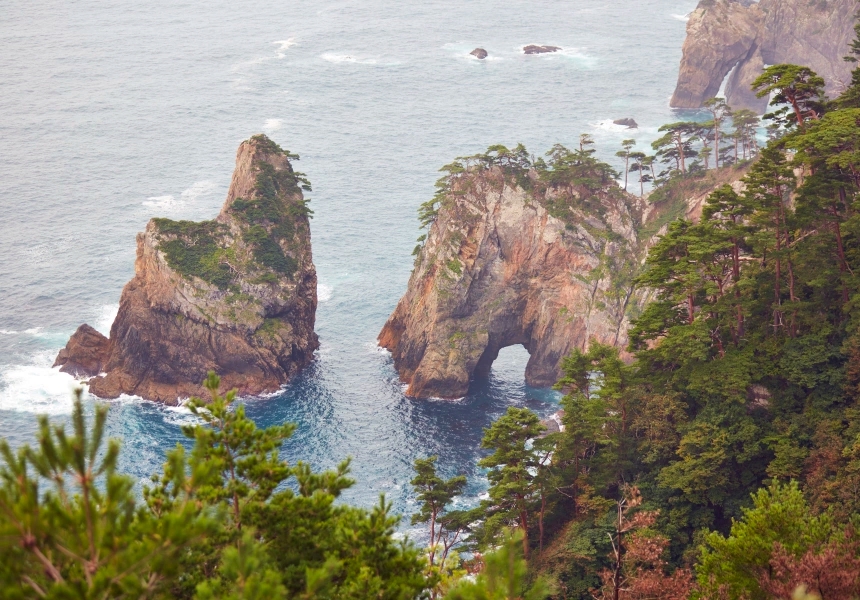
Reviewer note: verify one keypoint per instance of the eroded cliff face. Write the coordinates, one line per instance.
(723, 34)
(549, 268)
(236, 295)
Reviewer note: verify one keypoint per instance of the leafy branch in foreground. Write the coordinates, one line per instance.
(71, 526)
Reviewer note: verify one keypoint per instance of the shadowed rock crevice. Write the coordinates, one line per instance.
(236, 295)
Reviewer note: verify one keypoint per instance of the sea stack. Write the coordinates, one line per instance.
(479, 53)
(546, 263)
(235, 295)
(741, 36)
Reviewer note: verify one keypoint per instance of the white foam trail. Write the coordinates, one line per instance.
(323, 292)
(285, 44)
(578, 55)
(683, 18)
(170, 202)
(160, 202)
(106, 317)
(608, 125)
(273, 124)
(347, 58)
(8, 332)
(197, 189)
(36, 387)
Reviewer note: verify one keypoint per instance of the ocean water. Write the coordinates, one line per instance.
(114, 112)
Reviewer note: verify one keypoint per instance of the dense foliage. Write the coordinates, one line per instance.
(746, 377)
(227, 519)
(269, 221)
(724, 460)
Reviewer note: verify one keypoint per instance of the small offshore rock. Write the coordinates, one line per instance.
(479, 53)
(85, 354)
(627, 122)
(535, 49)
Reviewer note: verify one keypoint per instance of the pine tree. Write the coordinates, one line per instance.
(511, 471)
(798, 90)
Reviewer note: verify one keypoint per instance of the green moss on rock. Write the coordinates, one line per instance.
(196, 250)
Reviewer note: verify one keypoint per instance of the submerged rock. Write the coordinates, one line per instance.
(627, 122)
(740, 37)
(236, 295)
(479, 53)
(549, 267)
(535, 49)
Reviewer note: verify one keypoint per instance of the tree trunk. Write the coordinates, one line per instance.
(716, 144)
(690, 309)
(524, 524)
(626, 169)
(619, 555)
(736, 276)
(540, 519)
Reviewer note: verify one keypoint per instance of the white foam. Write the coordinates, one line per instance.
(273, 124)
(160, 202)
(464, 52)
(347, 58)
(283, 46)
(106, 317)
(374, 348)
(608, 125)
(8, 332)
(172, 203)
(578, 55)
(36, 387)
(323, 292)
(683, 18)
(197, 189)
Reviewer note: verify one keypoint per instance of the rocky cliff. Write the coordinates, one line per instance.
(723, 35)
(236, 295)
(541, 258)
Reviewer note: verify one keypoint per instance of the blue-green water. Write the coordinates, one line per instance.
(112, 113)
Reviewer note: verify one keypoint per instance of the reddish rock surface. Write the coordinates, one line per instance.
(251, 323)
(723, 34)
(498, 269)
(85, 354)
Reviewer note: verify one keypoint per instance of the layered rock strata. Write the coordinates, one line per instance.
(740, 36)
(550, 268)
(236, 295)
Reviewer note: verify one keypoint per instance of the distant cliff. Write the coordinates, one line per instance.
(542, 259)
(236, 295)
(724, 34)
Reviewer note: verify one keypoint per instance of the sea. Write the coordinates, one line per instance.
(115, 112)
